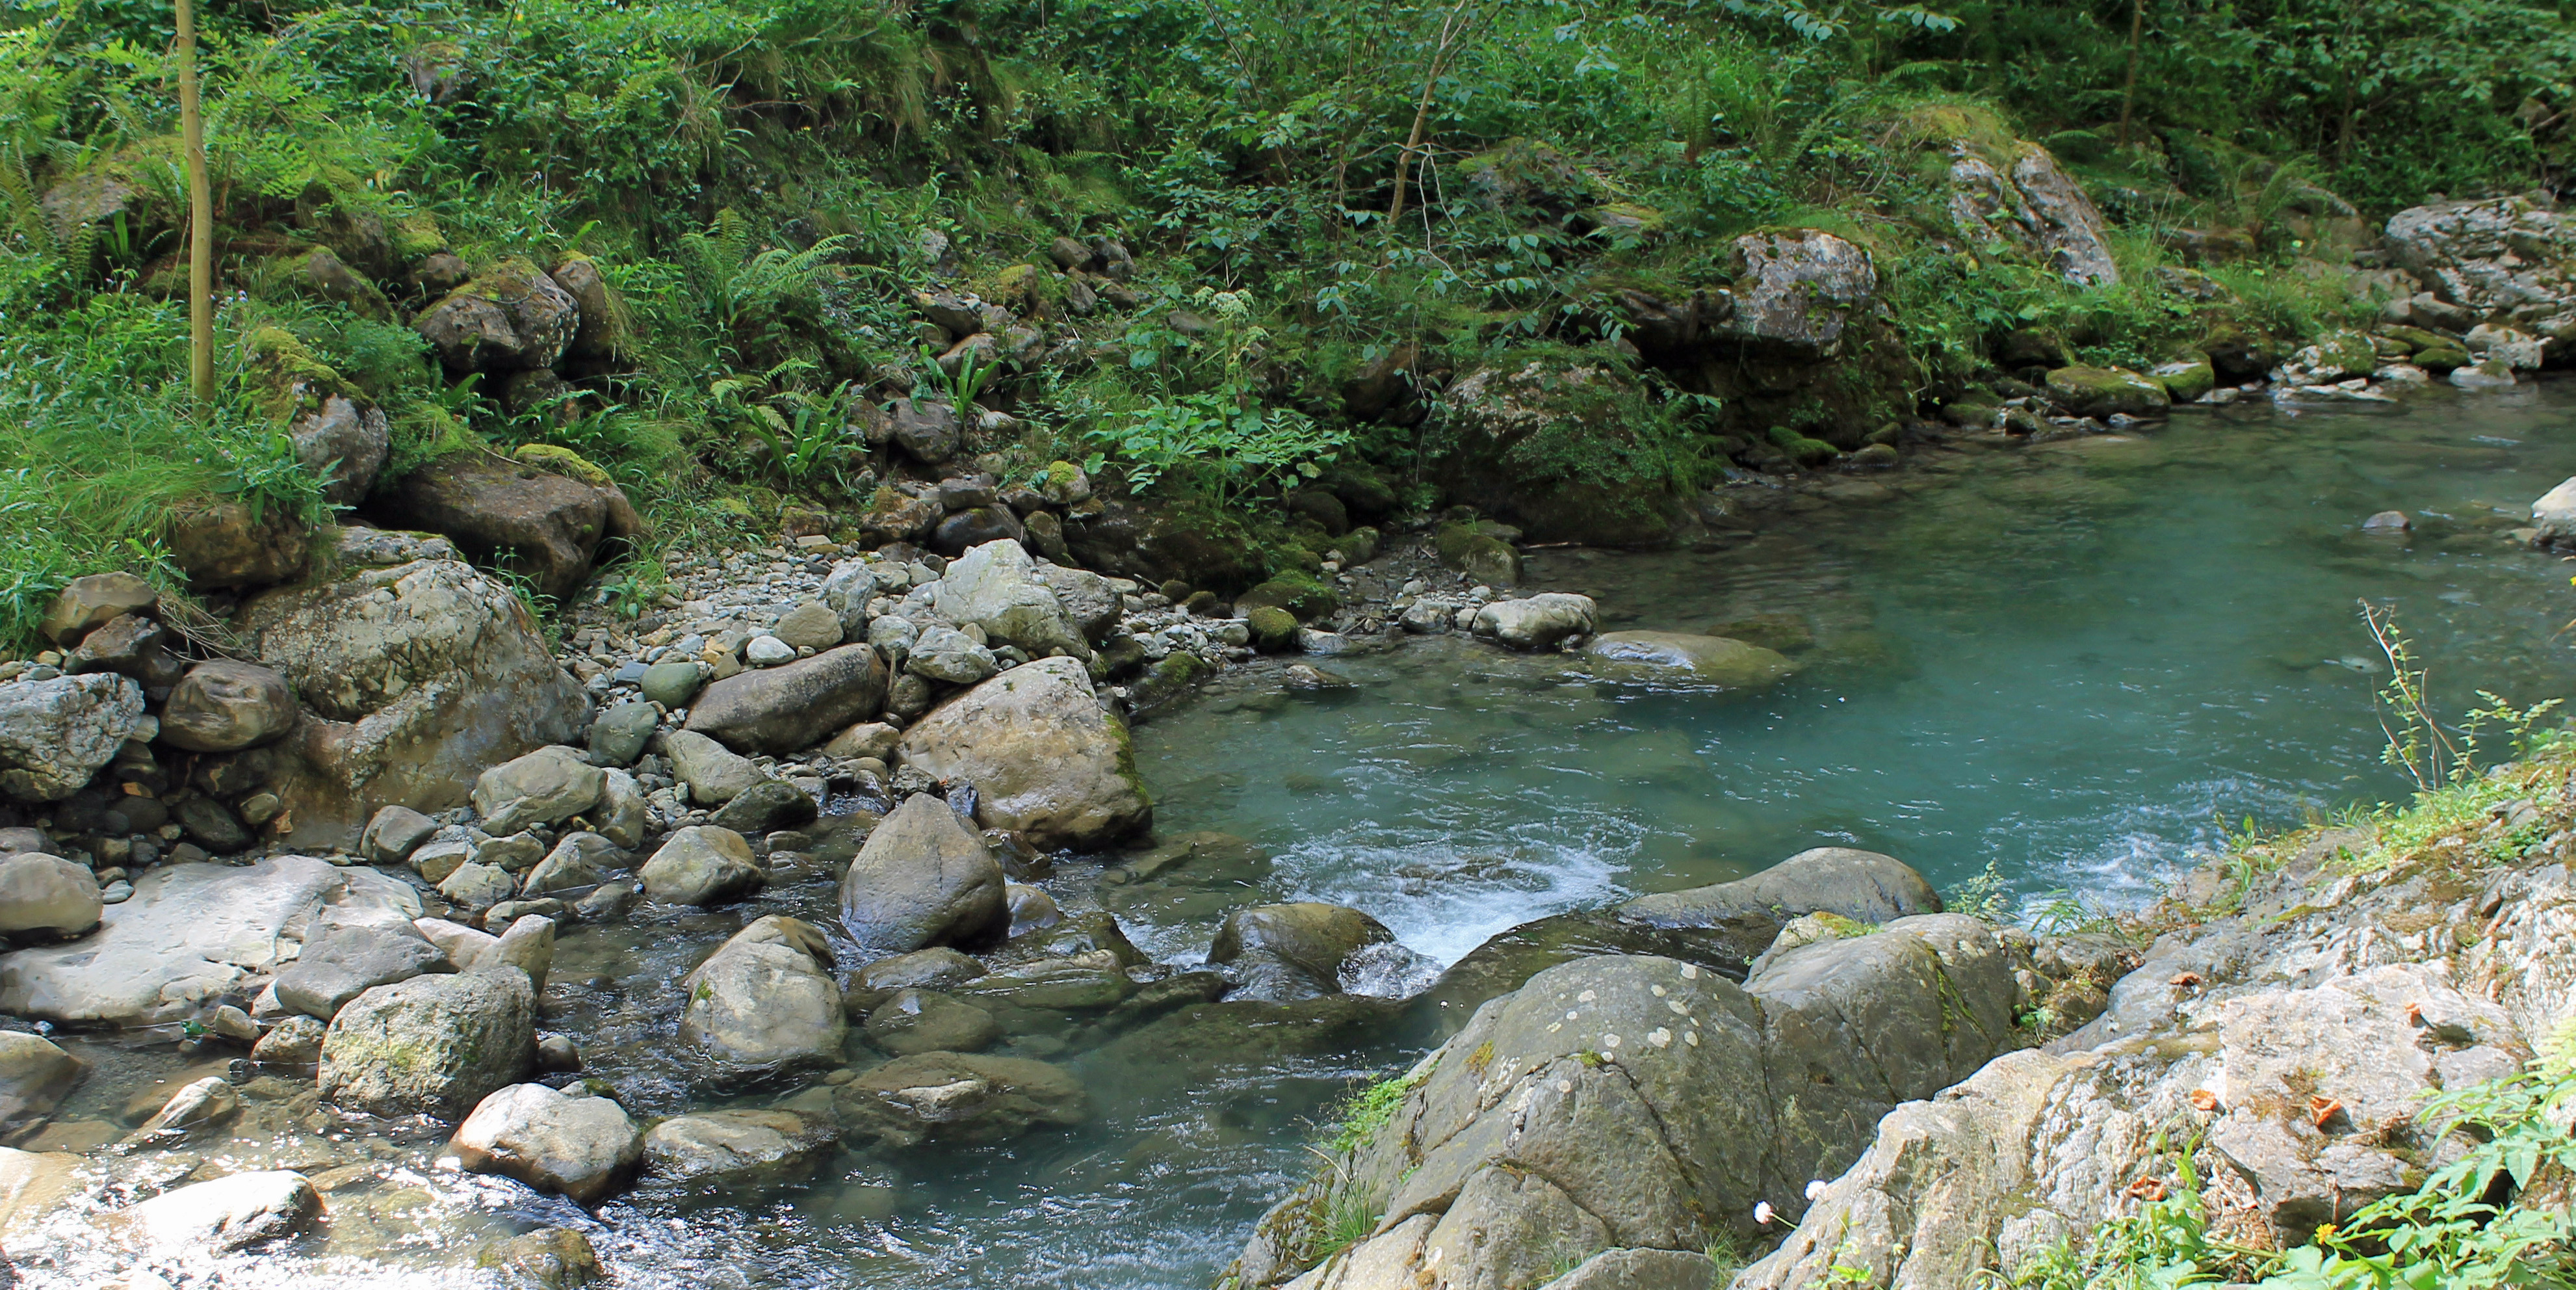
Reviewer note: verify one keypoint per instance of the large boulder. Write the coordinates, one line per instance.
(1640, 1102)
(792, 707)
(2108, 392)
(702, 865)
(955, 1098)
(582, 1148)
(765, 1001)
(923, 878)
(34, 1076)
(2019, 197)
(433, 1045)
(415, 677)
(996, 586)
(548, 786)
(1539, 622)
(2493, 257)
(512, 318)
(1296, 951)
(223, 544)
(47, 894)
(713, 774)
(1863, 886)
(1679, 657)
(510, 514)
(1044, 756)
(224, 706)
(1560, 447)
(55, 734)
(194, 932)
(344, 442)
(1798, 289)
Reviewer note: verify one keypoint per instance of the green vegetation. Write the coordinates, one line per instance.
(1364, 1112)
(1332, 210)
(2496, 1216)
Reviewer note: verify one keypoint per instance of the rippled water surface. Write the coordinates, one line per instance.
(2073, 662)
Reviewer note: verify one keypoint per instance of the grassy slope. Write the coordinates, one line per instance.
(756, 181)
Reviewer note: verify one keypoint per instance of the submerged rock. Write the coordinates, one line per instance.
(1540, 622)
(226, 1214)
(1678, 656)
(958, 1098)
(738, 1148)
(1863, 886)
(1290, 952)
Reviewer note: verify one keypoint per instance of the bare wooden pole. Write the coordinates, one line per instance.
(201, 214)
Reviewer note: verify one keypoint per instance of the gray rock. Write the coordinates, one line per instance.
(765, 1001)
(415, 679)
(48, 894)
(93, 601)
(924, 1021)
(812, 625)
(350, 962)
(1295, 951)
(1045, 758)
(923, 878)
(210, 824)
(1863, 886)
(194, 932)
(866, 739)
(582, 1148)
(1031, 909)
(739, 1148)
(957, 1098)
(702, 866)
(1540, 622)
(714, 775)
(610, 900)
(947, 654)
(433, 1045)
(528, 944)
(2487, 256)
(478, 887)
(223, 706)
(344, 443)
(293, 1041)
(673, 684)
(197, 1105)
(767, 651)
(2034, 205)
(764, 807)
(996, 587)
(1800, 290)
(230, 1213)
(847, 592)
(55, 734)
(624, 813)
(435, 859)
(618, 737)
(548, 786)
(34, 1077)
(19, 841)
(550, 1258)
(2554, 515)
(575, 865)
(394, 833)
(793, 706)
(1091, 602)
(513, 855)
(936, 968)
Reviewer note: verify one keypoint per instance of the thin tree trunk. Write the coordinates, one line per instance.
(201, 214)
(2129, 95)
(1461, 19)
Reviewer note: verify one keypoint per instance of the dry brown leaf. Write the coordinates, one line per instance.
(2414, 1014)
(2204, 1100)
(2147, 1189)
(2187, 980)
(2322, 1109)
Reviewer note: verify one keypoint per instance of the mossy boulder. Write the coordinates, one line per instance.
(2186, 377)
(1565, 445)
(2441, 358)
(1478, 553)
(2333, 357)
(510, 318)
(2107, 392)
(1301, 596)
(603, 329)
(1273, 629)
